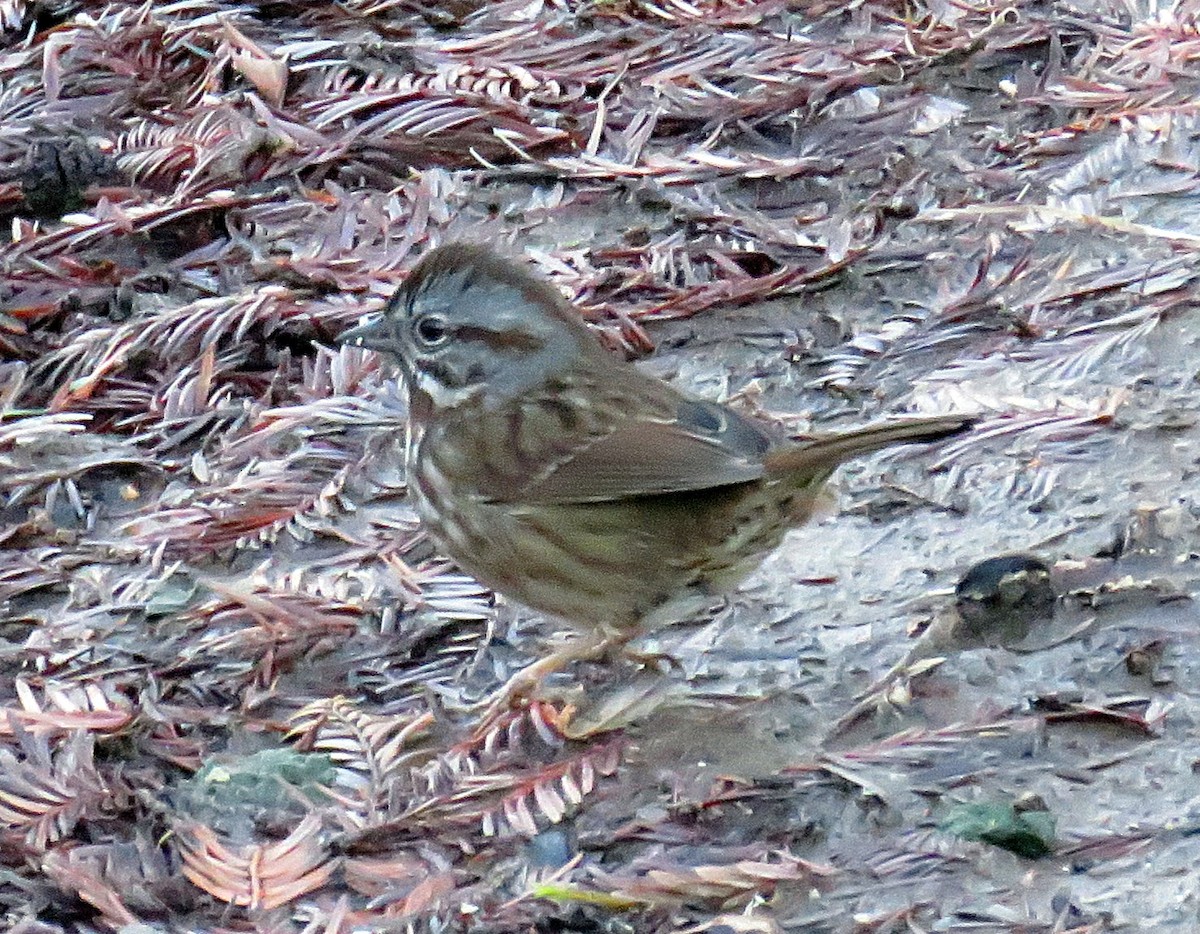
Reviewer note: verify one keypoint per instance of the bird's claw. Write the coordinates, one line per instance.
(516, 692)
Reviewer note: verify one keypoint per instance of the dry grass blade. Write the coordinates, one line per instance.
(74, 872)
(373, 746)
(501, 782)
(259, 875)
(725, 886)
(45, 793)
(422, 880)
(256, 635)
(65, 708)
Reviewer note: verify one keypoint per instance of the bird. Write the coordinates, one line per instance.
(569, 480)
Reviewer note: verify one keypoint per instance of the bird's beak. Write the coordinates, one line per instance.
(374, 334)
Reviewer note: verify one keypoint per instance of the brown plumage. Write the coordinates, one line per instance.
(570, 480)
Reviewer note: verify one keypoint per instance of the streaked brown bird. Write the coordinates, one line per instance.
(569, 480)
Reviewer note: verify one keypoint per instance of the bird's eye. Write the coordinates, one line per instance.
(431, 330)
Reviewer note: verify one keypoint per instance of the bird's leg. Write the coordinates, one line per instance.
(526, 681)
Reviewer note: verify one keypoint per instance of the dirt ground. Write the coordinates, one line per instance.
(236, 677)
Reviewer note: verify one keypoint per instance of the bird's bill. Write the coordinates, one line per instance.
(373, 334)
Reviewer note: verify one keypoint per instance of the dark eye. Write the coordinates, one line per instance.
(431, 330)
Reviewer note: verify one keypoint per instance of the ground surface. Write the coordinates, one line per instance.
(227, 651)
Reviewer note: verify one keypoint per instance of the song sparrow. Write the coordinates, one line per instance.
(569, 480)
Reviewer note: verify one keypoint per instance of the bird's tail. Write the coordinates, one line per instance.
(822, 454)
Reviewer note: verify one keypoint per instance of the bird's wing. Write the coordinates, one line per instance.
(684, 445)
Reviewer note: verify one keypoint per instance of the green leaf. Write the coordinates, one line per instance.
(1026, 833)
(562, 892)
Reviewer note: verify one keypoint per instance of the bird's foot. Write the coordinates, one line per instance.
(518, 690)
